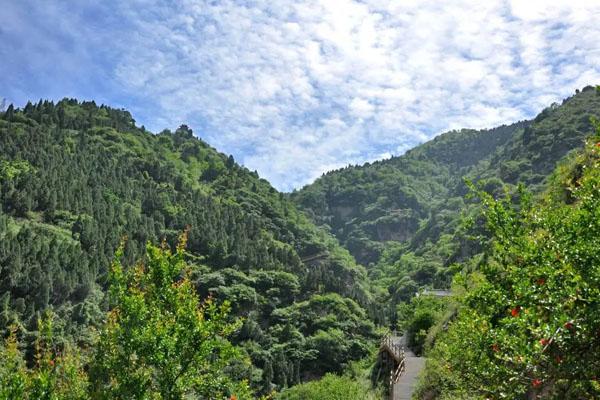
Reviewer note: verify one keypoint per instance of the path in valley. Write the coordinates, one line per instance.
(405, 387)
(413, 365)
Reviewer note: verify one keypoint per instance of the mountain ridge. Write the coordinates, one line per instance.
(75, 178)
(402, 217)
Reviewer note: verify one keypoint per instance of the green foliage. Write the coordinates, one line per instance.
(13, 376)
(160, 341)
(10, 170)
(329, 387)
(417, 318)
(76, 177)
(55, 375)
(389, 200)
(529, 325)
(404, 217)
(337, 330)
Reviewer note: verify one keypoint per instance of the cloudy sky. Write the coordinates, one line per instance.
(296, 88)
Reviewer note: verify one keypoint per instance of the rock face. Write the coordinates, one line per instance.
(343, 212)
(399, 225)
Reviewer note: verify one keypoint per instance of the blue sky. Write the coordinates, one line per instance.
(296, 88)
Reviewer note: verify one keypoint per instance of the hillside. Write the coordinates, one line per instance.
(76, 178)
(366, 206)
(525, 324)
(404, 217)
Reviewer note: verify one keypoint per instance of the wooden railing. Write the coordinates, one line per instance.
(395, 375)
(390, 344)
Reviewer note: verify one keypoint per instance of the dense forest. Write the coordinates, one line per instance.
(151, 266)
(408, 219)
(77, 178)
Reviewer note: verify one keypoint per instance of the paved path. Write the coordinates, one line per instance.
(405, 387)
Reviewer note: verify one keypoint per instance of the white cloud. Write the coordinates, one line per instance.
(295, 88)
(361, 108)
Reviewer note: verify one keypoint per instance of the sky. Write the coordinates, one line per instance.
(296, 88)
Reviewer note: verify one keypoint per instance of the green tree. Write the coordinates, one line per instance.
(528, 327)
(330, 387)
(160, 340)
(13, 377)
(230, 162)
(56, 374)
(418, 317)
(9, 113)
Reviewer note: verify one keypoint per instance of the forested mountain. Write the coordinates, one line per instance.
(406, 218)
(77, 178)
(81, 182)
(366, 206)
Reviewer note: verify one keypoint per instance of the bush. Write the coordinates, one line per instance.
(529, 326)
(330, 387)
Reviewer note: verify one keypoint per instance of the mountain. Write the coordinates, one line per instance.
(76, 178)
(404, 217)
(366, 206)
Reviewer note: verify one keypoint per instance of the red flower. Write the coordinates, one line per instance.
(540, 281)
(233, 397)
(51, 362)
(544, 341)
(598, 144)
(536, 383)
(515, 311)
(568, 325)
(558, 359)
(495, 347)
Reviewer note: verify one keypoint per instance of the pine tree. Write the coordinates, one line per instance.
(9, 113)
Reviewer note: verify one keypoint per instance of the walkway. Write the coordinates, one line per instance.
(407, 367)
(404, 388)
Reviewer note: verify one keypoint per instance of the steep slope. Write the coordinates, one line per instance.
(365, 206)
(531, 154)
(402, 216)
(525, 324)
(76, 178)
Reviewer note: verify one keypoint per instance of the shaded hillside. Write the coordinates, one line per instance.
(403, 216)
(75, 178)
(365, 206)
